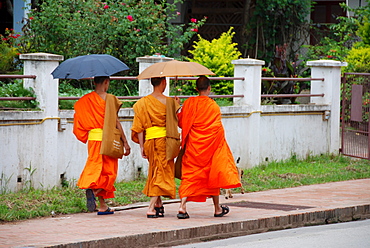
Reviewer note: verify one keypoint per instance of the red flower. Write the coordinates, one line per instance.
(106, 6)
(264, 69)
(193, 20)
(329, 56)
(130, 18)
(194, 29)
(31, 18)
(178, 13)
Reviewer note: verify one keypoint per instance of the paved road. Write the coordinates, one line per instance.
(354, 234)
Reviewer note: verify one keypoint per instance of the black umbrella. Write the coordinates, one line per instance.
(87, 66)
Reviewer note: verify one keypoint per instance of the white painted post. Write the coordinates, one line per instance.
(145, 87)
(250, 87)
(251, 70)
(330, 70)
(46, 89)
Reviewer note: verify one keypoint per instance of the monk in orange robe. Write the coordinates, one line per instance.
(207, 163)
(149, 131)
(100, 171)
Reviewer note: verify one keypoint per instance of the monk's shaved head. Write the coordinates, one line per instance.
(156, 81)
(100, 80)
(203, 83)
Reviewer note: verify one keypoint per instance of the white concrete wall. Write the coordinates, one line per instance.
(292, 130)
(255, 133)
(302, 132)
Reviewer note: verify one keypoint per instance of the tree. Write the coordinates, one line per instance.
(272, 23)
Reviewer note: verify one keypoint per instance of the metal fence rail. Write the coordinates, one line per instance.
(180, 96)
(18, 76)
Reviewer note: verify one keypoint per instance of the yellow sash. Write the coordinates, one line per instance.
(96, 134)
(155, 132)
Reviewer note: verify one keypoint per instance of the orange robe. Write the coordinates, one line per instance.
(100, 171)
(207, 164)
(150, 112)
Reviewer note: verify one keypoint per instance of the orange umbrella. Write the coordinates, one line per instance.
(174, 68)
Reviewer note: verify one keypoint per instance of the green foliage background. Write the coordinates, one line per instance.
(16, 89)
(349, 41)
(125, 30)
(275, 22)
(358, 59)
(216, 55)
(8, 51)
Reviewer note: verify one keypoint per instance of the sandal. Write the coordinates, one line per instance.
(225, 210)
(90, 200)
(183, 215)
(159, 211)
(151, 216)
(108, 211)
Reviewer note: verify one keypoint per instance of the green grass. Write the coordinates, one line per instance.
(33, 203)
(313, 170)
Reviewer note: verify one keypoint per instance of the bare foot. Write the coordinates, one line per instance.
(218, 209)
(182, 210)
(102, 206)
(106, 211)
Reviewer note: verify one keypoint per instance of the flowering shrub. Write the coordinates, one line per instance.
(329, 49)
(125, 29)
(8, 51)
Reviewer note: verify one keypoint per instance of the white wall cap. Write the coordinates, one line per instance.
(41, 56)
(326, 63)
(248, 61)
(152, 59)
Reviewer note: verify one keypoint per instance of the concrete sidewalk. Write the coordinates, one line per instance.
(249, 213)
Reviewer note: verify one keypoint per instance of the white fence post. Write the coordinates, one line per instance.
(45, 87)
(250, 87)
(251, 70)
(145, 88)
(330, 70)
(46, 90)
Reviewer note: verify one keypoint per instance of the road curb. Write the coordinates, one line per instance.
(232, 229)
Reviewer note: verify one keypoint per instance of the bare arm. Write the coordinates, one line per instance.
(126, 146)
(179, 103)
(141, 143)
